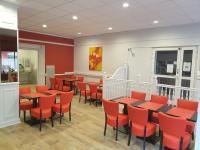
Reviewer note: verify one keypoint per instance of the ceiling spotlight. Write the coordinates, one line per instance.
(155, 21)
(125, 4)
(75, 18)
(44, 26)
(110, 28)
(79, 33)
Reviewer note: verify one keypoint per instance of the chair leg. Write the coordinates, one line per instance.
(105, 127)
(181, 144)
(40, 124)
(60, 117)
(19, 113)
(80, 98)
(116, 129)
(161, 140)
(129, 136)
(85, 99)
(52, 121)
(24, 116)
(70, 116)
(144, 140)
(96, 102)
(193, 136)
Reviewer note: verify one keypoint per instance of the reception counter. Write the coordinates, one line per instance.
(9, 104)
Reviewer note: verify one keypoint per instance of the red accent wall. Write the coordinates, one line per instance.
(59, 55)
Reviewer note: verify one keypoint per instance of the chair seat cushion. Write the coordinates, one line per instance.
(56, 108)
(122, 120)
(87, 93)
(96, 96)
(173, 142)
(26, 105)
(138, 130)
(46, 113)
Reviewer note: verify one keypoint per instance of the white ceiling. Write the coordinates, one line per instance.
(95, 16)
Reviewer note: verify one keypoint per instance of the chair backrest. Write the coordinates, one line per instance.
(59, 82)
(175, 126)
(41, 88)
(81, 86)
(52, 82)
(24, 90)
(138, 115)
(73, 77)
(101, 81)
(187, 104)
(138, 95)
(111, 108)
(66, 97)
(80, 78)
(93, 87)
(46, 102)
(159, 99)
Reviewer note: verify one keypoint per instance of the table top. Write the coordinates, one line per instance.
(32, 95)
(126, 100)
(53, 92)
(151, 106)
(70, 80)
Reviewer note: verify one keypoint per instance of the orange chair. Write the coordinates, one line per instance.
(139, 125)
(83, 91)
(173, 134)
(44, 111)
(95, 95)
(41, 88)
(24, 104)
(138, 95)
(53, 83)
(60, 85)
(160, 100)
(64, 105)
(190, 105)
(113, 117)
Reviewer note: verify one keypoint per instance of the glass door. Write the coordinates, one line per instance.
(176, 67)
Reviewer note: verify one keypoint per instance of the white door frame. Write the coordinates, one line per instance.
(41, 59)
(178, 77)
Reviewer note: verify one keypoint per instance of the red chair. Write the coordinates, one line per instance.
(139, 125)
(83, 91)
(64, 105)
(44, 111)
(60, 85)
(41, 88)
(95, 95)
(138, 95)
(101, 81)
(24, 104)
(160, 100)
(80, 79)
(113, 117)
(190, 105)
(173, 134)
(53, 83)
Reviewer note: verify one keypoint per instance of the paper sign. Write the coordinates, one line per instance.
(187, 66)
(170, 68)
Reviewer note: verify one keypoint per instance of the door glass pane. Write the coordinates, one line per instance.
(187, 63)
(166, 62)
(185, 94)
(168, 81)
(185, 83)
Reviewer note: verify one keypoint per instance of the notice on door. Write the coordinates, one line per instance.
(187, 66)
(170, 68)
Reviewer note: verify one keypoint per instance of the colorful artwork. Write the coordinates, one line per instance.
(95, 58)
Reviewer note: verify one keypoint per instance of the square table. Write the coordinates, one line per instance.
(151, 106)
(71, 81)
(126, 100)
(183, 113)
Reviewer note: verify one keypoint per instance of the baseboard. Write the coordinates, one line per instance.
(9, 123)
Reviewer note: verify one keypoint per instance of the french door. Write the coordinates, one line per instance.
(175, 66)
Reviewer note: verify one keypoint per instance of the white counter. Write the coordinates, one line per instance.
(9, 104)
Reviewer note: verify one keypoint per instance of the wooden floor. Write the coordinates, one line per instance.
(84, 132)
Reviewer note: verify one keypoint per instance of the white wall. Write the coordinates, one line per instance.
(115, 47)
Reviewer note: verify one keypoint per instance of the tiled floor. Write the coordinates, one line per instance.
(85, 132)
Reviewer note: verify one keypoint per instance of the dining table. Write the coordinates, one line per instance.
(71, 82)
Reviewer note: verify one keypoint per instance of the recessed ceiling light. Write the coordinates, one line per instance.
(110, 28)
(74, 17)
(125, 4)
(44, 26)
(155, 21)
(79, 33)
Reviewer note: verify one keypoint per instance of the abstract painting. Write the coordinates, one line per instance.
(95, 58)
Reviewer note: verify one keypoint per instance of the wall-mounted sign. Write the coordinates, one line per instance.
(187, 66)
